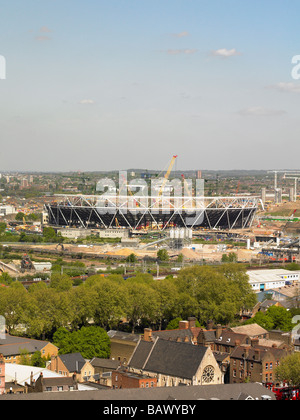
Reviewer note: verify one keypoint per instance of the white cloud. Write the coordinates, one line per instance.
(223, 52)
(259, 111)
(286, 87)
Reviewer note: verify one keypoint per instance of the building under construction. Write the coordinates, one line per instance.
(171, 204)
(147, 212)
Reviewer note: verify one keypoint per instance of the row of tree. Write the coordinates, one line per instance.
(217, 293)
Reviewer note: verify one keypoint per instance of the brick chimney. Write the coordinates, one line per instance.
(218, 331)
(147, 334)
(192, 322)
(254, 341)
(209, 324)
(183, 325)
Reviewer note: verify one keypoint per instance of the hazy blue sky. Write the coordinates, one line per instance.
(116, 84)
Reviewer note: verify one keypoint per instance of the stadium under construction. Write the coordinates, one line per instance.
(152, 212)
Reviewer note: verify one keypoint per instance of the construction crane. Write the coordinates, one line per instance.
(167, 174)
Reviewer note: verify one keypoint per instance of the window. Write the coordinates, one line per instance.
(271, 365)
(267, 366)
(234, 373)
(60, 388)
(48, 388)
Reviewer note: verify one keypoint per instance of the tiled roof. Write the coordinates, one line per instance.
(168, 357)
(11, 346)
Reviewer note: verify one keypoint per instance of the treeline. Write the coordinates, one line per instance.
(206, 292)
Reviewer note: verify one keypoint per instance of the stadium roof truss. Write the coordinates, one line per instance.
(106, 211)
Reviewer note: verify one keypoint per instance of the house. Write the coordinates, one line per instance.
(175, 363)
(255, 363)
(103, 369)
(186, 332)
(13, 387)
(123, 378)
(122, 345)
(221, 339)
(56, 384)
(22, 376)
(2, 375)
(252, 330)
(72, 364)
(11, 347)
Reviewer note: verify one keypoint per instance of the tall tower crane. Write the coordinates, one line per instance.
(167, 174)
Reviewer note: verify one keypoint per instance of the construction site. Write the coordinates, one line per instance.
(126, 220)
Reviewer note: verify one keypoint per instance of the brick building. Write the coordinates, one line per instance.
(255, 363)
(11, 347)
(72, 364)
(123, 378)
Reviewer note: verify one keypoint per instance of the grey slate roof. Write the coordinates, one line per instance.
(179, 393)
(174, 334)
(104, 363)
(168, 357)
(11, 346)
(120, 335)
(74, 362)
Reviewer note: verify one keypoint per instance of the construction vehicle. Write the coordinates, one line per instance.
(26, 264)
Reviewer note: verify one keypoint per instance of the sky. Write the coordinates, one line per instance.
(100, 85)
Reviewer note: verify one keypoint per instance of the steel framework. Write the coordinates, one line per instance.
(107, 211)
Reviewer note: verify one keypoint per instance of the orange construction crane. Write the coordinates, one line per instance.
(167, 175)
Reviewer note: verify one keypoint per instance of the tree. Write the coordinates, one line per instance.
(142, 303)
(166, 299)
(111, 301)
(220, 294)
(13, 304)
(289, 369)
(5, 278)
(20, 216)
(88, 341)
(61, 282)
(275, 318)
(163, 255)
(131, 258)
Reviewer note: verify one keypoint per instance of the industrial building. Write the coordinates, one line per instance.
(262, 280)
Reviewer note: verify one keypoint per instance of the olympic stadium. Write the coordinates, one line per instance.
(147, 212)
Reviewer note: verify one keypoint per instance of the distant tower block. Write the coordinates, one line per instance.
(292, 194)
(263, 195)
(199, 174)
(278, 195)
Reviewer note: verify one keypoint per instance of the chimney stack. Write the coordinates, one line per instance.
(183, 325)
(218, 331)
(147, 334)
(192, 322)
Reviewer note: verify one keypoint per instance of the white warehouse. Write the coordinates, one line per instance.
(262, 280)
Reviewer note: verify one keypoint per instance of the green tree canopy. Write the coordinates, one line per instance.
(289, 369)
(88, 341)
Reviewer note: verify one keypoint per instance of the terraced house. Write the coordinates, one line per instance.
(12, 348)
